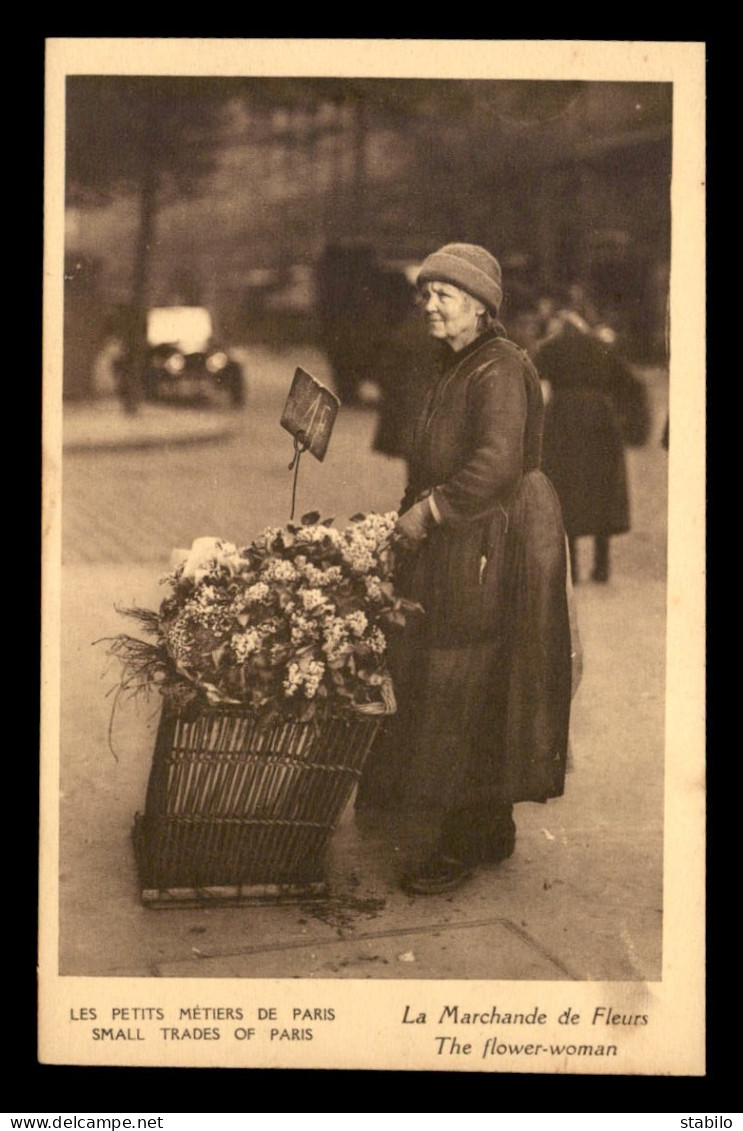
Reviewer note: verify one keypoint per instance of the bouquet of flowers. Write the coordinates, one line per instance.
(296, 619)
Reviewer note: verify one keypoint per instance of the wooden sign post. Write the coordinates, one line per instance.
(309, 415)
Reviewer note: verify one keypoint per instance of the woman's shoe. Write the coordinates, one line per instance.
(438, 874)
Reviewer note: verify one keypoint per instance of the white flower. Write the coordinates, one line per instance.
(309, 534)
(356, 553)
(357, 623)
(257, 592)
(206, 556)
(336, 643)
(276, 569)
(306, 675)
(205, 596)
(331, 575)
(245, 644)
(293, 680)
(313, 599)
(373, 588)
(377, 641)
(302, 628)
(267, 537)
(374, 529)
(317, 534)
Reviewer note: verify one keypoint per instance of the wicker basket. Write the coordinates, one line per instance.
(240, 809)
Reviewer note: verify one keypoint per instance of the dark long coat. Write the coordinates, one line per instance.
(584, 445)
(483, 677)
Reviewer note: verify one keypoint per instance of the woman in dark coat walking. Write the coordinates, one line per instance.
(583, 442)
(483, 675)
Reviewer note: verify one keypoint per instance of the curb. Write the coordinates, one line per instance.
(94, 430)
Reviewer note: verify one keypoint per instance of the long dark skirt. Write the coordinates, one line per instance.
(442, 749)
(483, 677)
(583, 455)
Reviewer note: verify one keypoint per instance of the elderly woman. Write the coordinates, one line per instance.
(483, 674)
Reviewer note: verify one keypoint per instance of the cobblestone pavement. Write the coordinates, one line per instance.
(135, 505)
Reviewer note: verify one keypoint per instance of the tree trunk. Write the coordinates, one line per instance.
(357, 219)
(132, 383)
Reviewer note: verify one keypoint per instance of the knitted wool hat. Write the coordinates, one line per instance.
(467, 266)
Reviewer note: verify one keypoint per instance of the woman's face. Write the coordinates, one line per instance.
(451, 314)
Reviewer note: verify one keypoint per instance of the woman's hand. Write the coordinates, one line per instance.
(412, 527)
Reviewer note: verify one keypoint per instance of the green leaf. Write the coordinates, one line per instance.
(357, 517)
(311, 518)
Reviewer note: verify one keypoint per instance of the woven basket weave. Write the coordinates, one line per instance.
(234, 801)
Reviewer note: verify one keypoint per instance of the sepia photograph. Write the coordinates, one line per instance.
(373, 709)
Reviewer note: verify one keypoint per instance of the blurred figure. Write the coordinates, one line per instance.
(525, 322)
(583, 453)
(348, 293)
(125, 326)
(402, 366)
(626, 391)
(580, 299)
(105, 368)
(547, 321)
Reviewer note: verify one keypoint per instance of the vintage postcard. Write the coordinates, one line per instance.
(366, 743)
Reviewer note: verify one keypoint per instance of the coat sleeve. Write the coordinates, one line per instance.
(493, 458)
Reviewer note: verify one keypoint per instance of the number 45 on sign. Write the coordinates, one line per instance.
(309, 415)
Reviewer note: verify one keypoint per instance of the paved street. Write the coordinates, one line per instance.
(134, 505)
(582, 896)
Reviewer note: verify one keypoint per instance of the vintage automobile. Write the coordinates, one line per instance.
(184, 363)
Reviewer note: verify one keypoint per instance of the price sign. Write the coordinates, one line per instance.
(309, 413)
